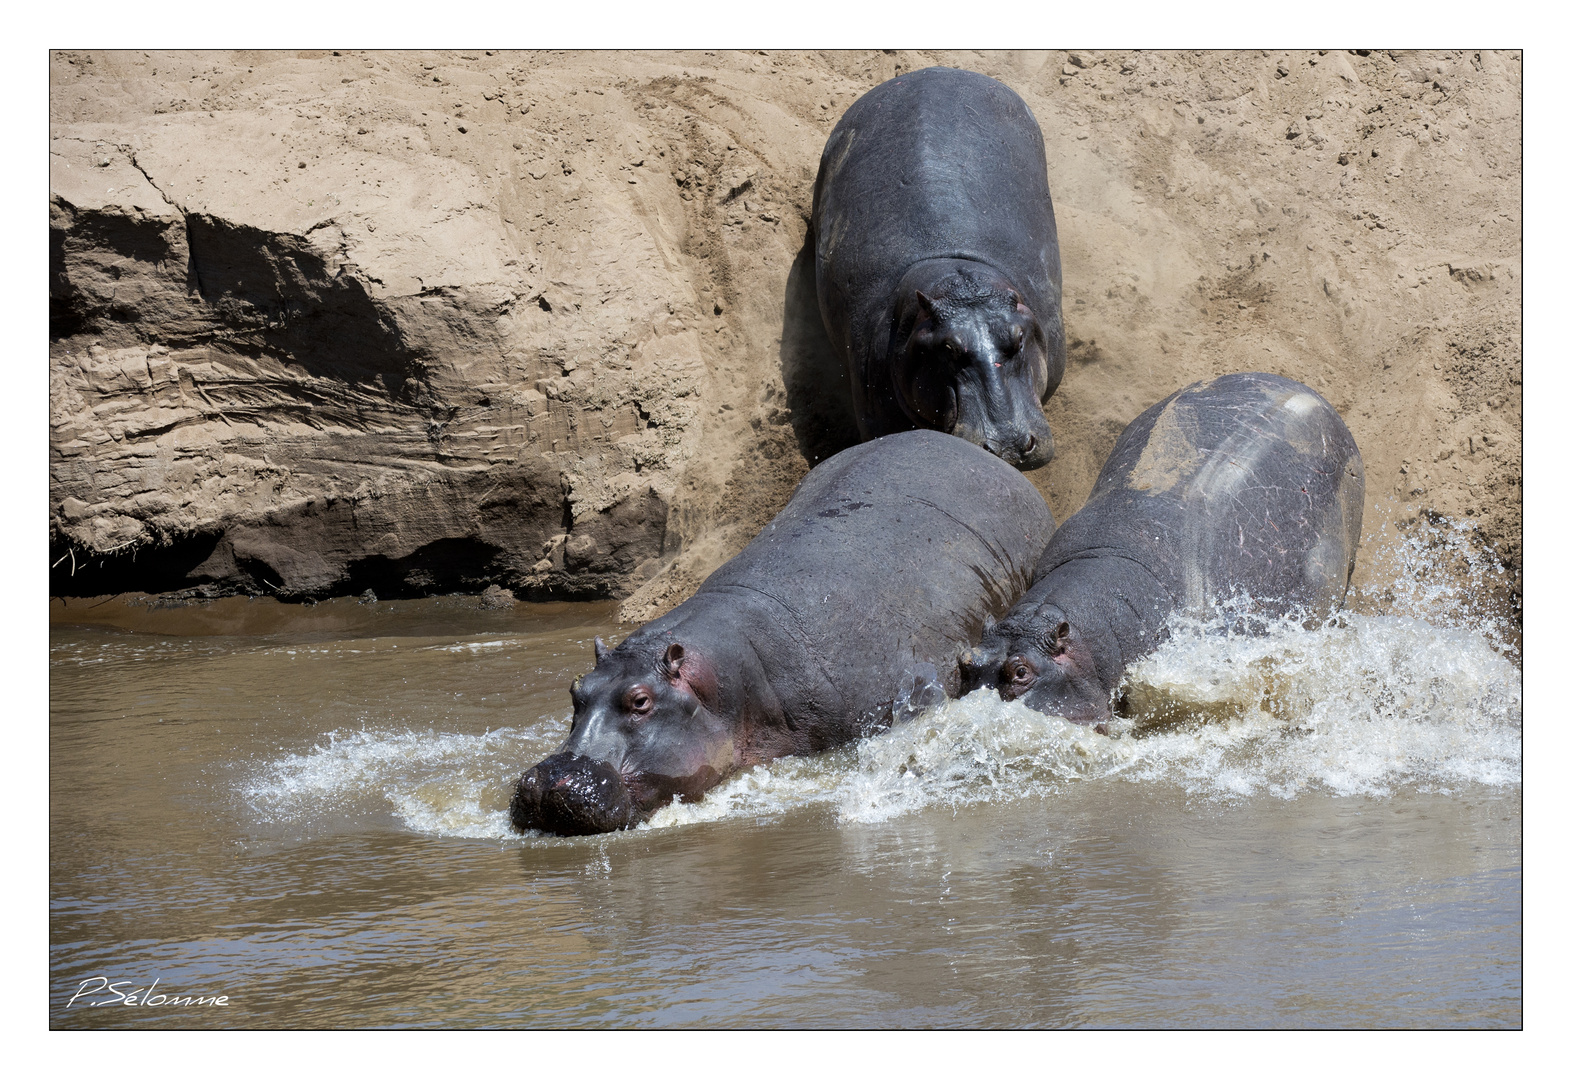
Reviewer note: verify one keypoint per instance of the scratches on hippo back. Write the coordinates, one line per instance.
(1000, 597)
(1250, 458)
(1246, 469)
(1222, 473)
(844, 509)
(999, 557)
(831, 224)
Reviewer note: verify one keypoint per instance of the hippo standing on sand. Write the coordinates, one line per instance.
(938, 262)
(885, 565)
(1246, 484)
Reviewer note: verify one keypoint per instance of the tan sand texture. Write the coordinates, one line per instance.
(432, 321)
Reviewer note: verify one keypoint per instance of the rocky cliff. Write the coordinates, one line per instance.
(428, 322)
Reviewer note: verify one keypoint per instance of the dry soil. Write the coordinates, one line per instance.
(426, 321)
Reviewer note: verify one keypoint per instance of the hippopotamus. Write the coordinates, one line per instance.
(881, 570)
(1246, 488)
(937, 262)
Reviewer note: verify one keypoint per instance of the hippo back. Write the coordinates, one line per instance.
(891, 554)
(1246, 483)
(937, 163)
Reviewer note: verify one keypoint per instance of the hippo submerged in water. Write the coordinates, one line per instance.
(938, 262)
(1246, 484)
(885, 564)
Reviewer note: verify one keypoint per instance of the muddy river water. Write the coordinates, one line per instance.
(302, 810)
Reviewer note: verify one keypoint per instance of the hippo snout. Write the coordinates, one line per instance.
(979, 666)
(1028, 446)
(571, 795)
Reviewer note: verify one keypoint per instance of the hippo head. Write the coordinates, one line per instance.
(973, 364)
(1042, 661)
(644, 731)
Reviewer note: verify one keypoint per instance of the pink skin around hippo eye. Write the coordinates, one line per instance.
(638, 701)
(1022, 676)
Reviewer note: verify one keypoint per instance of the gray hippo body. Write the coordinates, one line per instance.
(937, 262)
(886, 563)
(1247, 484)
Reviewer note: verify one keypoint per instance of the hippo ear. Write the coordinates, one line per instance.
(1059, 639)
(925, 302)
(692, 671)
(601, 652)
(671, 663)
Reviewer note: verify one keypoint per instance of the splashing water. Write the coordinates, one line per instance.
(439, 784)
(1361, 705)
(1357, 708)
(957, 754)
(1365, 704)
(1440, 571)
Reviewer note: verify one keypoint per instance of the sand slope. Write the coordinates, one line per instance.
(421, 322)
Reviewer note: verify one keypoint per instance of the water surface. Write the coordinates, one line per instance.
(304, 809)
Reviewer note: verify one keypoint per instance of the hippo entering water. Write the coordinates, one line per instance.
(937, 262)
(1246, 484)
(866, 588)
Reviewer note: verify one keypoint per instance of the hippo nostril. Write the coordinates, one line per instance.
(571, 795)
(1031, 444)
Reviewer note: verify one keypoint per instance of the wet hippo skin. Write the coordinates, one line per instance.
(881, 570)
(1247, 485)
(937, 262)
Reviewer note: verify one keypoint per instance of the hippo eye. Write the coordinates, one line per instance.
(638, 701)
(1020, 673)
(1017, 336)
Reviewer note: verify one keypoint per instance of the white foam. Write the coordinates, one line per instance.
(475, 646)
(1440, 571)
(1352, 709)
(1425, 698)
(436, 783)
(1363, 707)
(1359, 708)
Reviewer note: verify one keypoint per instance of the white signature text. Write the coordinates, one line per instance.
(100, 991)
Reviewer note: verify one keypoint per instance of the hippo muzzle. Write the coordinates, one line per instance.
(980, 666)
(571, 795)
(1004, 419)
